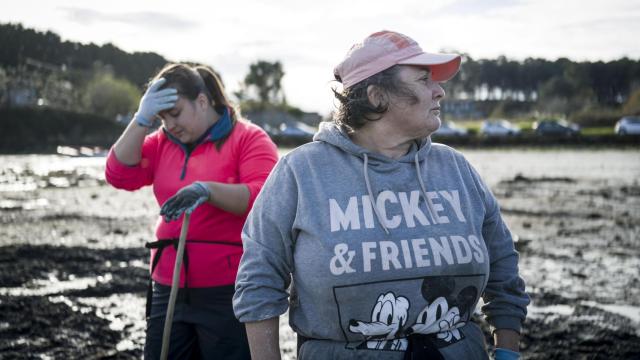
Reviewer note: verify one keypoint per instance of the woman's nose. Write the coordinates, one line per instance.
(438, 91)
(169, 123)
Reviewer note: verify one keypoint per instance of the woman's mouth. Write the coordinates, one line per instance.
(177, 133)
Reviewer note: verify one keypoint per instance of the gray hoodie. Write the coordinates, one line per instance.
(374, 250)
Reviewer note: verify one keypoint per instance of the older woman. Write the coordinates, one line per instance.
(385, 239)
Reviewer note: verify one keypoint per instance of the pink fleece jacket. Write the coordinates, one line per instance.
(214, 246)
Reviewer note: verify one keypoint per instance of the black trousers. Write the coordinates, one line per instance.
(203, 327)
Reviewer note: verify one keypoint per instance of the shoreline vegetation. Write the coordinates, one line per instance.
(56, 93)
(42, 131)
(65, 93)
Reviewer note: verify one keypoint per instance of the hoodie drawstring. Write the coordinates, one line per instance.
(424, 190)
(372, 199)
(374, 204)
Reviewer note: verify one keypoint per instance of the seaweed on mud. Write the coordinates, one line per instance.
(519, 178)
(40, 328)
(588, 333)
(541, 213)
(631, 190)
(20, 264)
(545, 298)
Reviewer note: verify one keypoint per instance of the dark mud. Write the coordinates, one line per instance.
(579, 242)
(41, 307)
(73, 269)
(584, 332)
(19, 265)
(40, 328)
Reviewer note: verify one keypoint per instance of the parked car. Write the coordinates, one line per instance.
(498, 128)
(271, 130)
(628, 125)
(555, 128)
(296, 131)
(449, 128)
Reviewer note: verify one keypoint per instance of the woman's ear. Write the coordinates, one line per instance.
(203, 101)
(376, 97)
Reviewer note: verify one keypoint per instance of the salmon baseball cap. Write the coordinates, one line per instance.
(384, 49)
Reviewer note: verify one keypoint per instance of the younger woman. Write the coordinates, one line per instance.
(203, 154)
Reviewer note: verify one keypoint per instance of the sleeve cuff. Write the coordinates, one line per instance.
(266, 312)
(114, 163)
(505, 322)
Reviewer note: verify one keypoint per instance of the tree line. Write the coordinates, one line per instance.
(609, 83)
(559, 86)
(19, 45)
(100, 79)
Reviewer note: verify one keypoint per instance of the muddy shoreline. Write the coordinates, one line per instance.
(73, 269)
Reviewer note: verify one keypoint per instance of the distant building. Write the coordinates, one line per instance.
(285, 127)
(275, 118)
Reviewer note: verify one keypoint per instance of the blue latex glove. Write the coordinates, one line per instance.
(504, 354)
(186, 200)
(153, 101)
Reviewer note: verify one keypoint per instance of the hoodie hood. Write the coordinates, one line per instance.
(332, 134)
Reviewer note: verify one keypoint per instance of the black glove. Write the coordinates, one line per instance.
(186, 200)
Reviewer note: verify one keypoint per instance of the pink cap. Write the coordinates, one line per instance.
(381, 50)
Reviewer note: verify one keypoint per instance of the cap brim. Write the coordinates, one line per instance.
(443, 66)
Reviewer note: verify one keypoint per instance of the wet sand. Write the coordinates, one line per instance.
(73, 269)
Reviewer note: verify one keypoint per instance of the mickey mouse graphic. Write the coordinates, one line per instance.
(443, 314)
(388, 317)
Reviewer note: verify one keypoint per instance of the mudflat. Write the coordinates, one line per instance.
(74, 270)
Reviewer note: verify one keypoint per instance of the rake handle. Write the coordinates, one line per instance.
(175, 285)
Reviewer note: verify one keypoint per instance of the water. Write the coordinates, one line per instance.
(29, 172)
(501, 164)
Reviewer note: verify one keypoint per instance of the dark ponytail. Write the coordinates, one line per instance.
(191, 81)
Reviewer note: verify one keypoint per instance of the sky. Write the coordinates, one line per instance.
(310, 37)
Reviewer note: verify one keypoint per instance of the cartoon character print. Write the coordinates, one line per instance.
(388, 317)
(443, 314)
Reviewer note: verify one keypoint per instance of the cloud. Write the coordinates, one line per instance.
(619, 23)
(255, 43)
(145, 19)
(477, 7)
